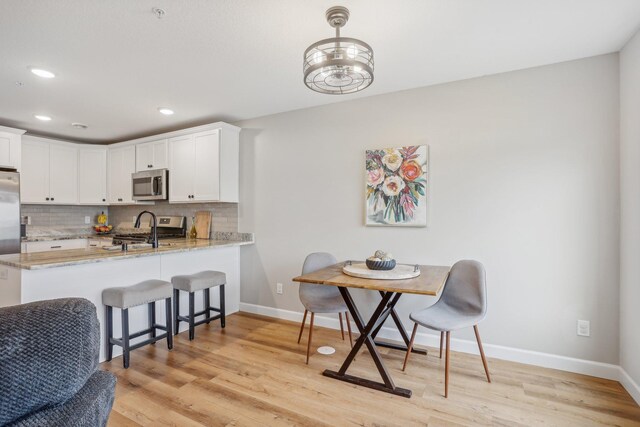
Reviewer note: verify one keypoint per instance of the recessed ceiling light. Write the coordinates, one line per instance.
(45, 74)
(165, 111)
(79, 125)
(42, 117)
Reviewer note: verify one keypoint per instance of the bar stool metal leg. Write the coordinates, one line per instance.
(222, 309)
(152, 319)
(125, 337)
(192, 325)
(207, 303)
(176, 311)
(109, 326)
(168, 320)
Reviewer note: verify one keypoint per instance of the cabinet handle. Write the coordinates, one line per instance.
(52, 199)
(119, 200)
(104, 200)
(47, 198)
(56, 247)
(93, 245)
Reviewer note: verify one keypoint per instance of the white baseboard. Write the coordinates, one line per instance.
(546, 360)
(630, 385)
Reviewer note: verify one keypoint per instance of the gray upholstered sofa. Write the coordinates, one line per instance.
(49, 365)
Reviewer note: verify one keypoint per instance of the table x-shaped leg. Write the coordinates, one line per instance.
(381, 313)
(403, 334)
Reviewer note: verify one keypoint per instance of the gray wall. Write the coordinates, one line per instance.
(630, 208)
(524, 177)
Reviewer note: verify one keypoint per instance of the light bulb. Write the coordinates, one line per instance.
(352, 51)
(318, 57)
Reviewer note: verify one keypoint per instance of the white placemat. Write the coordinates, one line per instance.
(401, 271)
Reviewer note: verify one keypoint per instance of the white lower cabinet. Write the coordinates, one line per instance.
(54, 245)
(99, 243)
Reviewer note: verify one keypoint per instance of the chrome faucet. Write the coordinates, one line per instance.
(154, 228)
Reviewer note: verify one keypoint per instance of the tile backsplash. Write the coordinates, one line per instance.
(61, 216)
(224, 215)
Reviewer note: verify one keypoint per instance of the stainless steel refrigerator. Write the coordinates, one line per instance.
(9, 211)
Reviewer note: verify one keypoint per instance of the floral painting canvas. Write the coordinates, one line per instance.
(396, 191)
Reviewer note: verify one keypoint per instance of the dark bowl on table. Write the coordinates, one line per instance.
(381, 265)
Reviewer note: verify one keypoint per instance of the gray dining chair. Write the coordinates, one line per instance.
(463, 304)
(321, 298)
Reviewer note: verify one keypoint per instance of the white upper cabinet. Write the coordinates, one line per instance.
(34, 176)
(181, 154)
(49, 173)
(92, 175)
(203, 166)
(122, 163)
(10, 153)
(206, 171)
(63, 174)
(152, 155)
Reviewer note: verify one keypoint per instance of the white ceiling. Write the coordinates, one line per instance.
(210, 60)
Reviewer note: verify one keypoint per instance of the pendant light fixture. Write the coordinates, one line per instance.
(338, 65)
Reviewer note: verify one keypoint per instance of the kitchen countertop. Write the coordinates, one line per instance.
(52, 259)
(43, 234)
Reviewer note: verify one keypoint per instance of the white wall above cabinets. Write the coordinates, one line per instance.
(152, 155)
(49, 172)
(92, 175)
(10, 147)
(122, 163)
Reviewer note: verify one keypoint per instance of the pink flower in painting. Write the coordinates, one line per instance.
(393, 185)
(375, 177)
(407, 204)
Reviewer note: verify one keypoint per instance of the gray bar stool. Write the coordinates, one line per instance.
(147, 292)
(202, 281)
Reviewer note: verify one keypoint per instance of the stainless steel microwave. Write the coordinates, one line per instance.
(150, 185)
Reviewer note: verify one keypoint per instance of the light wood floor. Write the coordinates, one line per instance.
(253, 373)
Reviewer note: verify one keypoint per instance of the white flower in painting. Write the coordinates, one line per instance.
(393, 185)
(392, 159)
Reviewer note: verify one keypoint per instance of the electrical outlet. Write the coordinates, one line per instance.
(4, 274)
(87, 220)
(584, 328)
(279, 288)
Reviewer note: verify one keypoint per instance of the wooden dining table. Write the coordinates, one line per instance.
(430, 281)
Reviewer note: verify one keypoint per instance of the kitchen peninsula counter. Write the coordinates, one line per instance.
(51, 259)
(86, 273)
